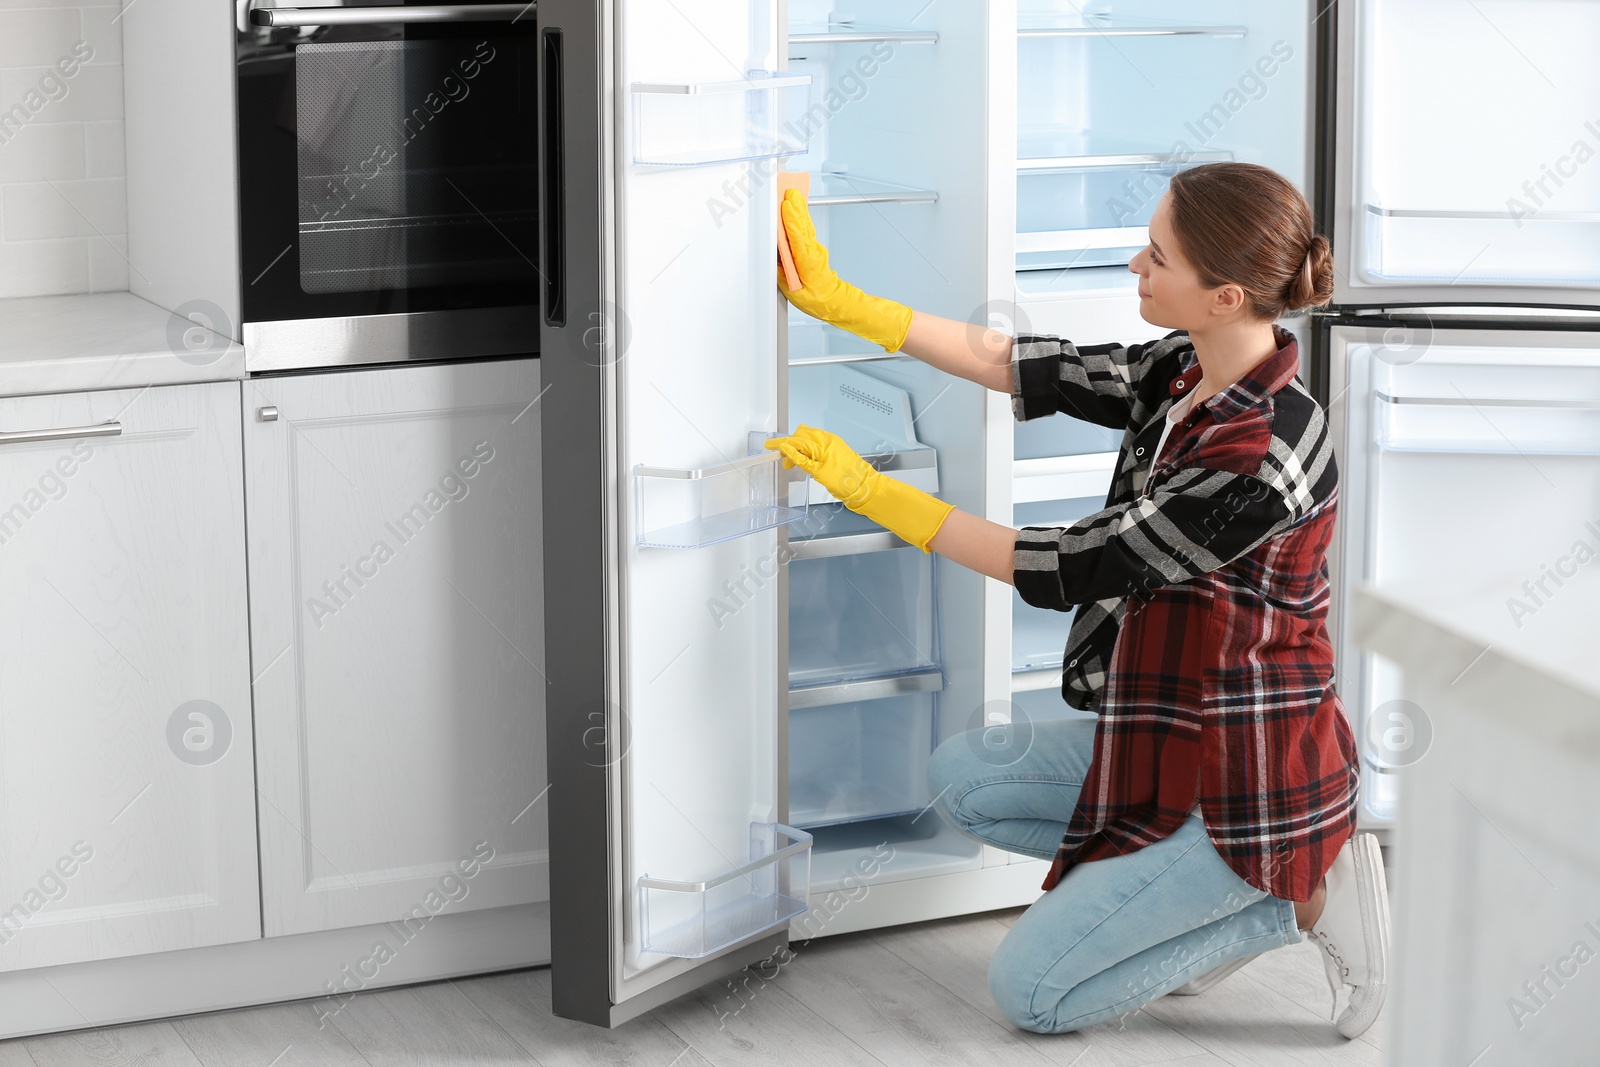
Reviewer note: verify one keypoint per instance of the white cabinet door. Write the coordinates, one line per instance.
(396, 624)
(126, 806)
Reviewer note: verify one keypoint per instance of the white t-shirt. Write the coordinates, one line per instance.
(1175, 415)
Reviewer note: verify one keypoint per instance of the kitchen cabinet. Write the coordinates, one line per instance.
(396, 615)
(126, 779)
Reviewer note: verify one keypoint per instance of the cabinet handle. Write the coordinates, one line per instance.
(110, 428)
(268, 414)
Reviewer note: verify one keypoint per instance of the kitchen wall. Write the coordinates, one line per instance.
(63, 205)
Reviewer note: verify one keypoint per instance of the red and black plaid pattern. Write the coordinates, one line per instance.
(1201, 592)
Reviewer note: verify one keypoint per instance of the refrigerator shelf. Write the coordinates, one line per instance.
(678, 508)
(1038, 638)
(1033, 681)
(695, 919)
(922, 680)
(1061, 149)
(1062, 477)
(1062, 435)
(830, 33)
(838, 188)
(834, 530)
(691, 124)
(1053, 25)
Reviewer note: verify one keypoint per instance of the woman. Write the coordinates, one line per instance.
(1199, 639)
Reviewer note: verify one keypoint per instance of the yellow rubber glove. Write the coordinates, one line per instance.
(826, 296)
(906, 510)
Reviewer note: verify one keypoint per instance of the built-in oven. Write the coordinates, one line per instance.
(388, 180)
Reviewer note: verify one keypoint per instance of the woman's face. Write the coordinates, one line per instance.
(1170, 292)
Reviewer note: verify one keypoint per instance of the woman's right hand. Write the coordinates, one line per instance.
(826, 296)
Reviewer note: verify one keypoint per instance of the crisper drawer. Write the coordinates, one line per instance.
(861, 760)
(864, 615)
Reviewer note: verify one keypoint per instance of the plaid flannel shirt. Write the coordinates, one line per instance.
(1201, 592)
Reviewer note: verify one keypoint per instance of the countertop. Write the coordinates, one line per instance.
(1536, 662)
(65, 344)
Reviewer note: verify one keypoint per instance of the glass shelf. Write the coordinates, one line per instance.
(1061, 149)
(691, 508)
(695, 919)
(830, 188)
(689, 124)
(830, 33)
(1055, 25)
(813, 341)
(861, 760)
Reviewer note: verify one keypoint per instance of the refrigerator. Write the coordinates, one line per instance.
(746, 681)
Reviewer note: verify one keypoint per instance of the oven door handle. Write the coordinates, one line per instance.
(367, 16)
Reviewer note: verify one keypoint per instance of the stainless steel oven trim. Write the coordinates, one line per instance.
(338, 15)
(294, 344)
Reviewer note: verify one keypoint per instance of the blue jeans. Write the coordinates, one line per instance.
(1114, 933)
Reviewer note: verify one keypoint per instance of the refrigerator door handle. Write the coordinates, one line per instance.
(553, 218)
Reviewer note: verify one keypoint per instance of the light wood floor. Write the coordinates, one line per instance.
(914, 994)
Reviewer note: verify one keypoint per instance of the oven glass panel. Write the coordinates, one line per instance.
(388, 169)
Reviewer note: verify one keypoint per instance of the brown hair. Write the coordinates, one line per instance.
(1249, 225)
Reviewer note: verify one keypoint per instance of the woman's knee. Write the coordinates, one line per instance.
(949, 768)
(1014, 983)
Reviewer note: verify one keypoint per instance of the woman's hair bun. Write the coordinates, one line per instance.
(1312, 286)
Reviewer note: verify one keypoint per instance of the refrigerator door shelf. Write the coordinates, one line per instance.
(1535, 248)
(1461, 424)
(692, 124)
(861, 760)
(862, 616)
(695, 919)
(693, 508)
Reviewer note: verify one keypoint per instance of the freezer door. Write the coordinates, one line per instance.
(1466, 456)
(659, 346)
(1465, 162)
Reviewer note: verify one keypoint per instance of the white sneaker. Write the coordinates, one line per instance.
(1353, 933)
(1212, 977)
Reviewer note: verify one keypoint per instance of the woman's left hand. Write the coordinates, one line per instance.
(825, 456)
(904, 509)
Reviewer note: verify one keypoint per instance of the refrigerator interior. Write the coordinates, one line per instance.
(1486, 177)
(885, 640)
(1114, 97)
(1472, 457)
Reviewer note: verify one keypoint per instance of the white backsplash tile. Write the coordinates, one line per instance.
(63, 202)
